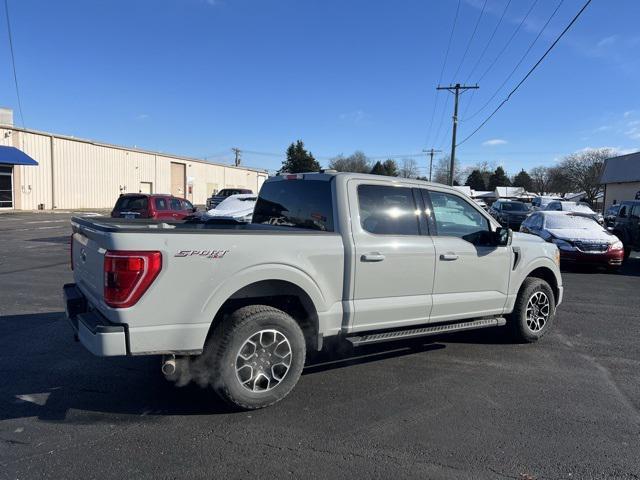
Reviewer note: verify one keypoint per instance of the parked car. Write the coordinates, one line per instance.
(627, 226)
(217, 198)
(155, 206)
(610, 215)
(354, 257)
(239, 207)
(540, 202)
(509, 213)
(577, 208)
(580, 239)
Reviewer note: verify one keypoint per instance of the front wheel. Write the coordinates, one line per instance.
(256, 356)
(534, 311)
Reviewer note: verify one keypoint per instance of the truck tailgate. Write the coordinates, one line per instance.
(88, 263)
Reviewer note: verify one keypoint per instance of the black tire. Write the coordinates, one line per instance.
(518, 320)
(627, 253)
(230, 335)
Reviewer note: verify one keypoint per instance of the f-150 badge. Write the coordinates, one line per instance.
(213, 254)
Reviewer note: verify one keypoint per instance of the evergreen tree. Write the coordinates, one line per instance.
(523, 180)
(475, 180)
(378, 169)
(390, 167)
(299, 160)
(499, 179)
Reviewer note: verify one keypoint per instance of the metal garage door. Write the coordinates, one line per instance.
(177, 179)
(6, 187)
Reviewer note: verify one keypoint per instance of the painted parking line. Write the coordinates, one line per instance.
(46, 221)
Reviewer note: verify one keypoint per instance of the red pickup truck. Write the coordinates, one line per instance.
(155, 206)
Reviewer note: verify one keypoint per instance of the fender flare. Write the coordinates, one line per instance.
(260, 273)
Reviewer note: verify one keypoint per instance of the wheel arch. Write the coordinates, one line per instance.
(546, 274)
(287, 289)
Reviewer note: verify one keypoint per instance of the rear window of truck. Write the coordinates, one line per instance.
(303, 204)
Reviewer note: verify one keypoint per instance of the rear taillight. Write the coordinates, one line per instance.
(71, 251)
(128, 274)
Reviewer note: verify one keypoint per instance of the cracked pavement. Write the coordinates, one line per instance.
(455, 406)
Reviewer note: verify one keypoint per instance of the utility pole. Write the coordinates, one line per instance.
(237, 151)
(431, 152)
(455, 89)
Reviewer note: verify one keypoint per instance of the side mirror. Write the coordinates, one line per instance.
(194, 209)
(503, 236)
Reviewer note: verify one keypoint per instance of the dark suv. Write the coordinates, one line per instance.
(626, 226)
(509, 213)
(216, 198)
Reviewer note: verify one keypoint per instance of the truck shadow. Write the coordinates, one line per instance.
(46, 374)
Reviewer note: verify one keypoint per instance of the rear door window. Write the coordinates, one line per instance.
(161, 204)
(176, 204)
(304, 204)
(386, 210)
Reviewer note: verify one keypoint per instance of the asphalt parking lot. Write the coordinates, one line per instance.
(457, 406)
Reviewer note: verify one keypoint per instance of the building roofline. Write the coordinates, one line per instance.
(128, 149)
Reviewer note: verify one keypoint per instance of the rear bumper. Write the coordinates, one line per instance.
(611, 258)
(96, 333)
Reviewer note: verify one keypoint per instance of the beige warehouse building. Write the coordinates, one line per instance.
(73, 173)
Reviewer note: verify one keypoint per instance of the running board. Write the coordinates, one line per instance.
(367, 339)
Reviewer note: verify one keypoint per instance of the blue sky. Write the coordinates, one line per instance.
(196, 77)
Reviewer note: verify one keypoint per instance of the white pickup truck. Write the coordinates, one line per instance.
(363, 258)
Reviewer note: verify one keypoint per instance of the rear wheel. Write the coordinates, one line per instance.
(534, 311)
(255, 356)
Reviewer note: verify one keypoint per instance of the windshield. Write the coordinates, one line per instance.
(560, 222)
(514, 207)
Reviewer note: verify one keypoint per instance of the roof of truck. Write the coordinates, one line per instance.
(328, 174)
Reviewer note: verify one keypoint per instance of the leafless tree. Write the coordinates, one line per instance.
(540, 179)
(409, 168)
(356, 162)
(583, 170)
(441, 171)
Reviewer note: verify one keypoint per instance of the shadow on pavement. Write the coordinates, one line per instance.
(45, 374)
(631, 268)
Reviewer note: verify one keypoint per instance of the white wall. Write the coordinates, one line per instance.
(91, 175)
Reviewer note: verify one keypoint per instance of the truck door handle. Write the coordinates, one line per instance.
(372, 257)
(448, 257)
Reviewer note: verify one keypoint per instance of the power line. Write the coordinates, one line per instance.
(486, 47)
(506, 45)
(455, 75)
(481, 56)
(13, 61)
(466, 50)
(444, 63)
(566, 29)
(531, 45)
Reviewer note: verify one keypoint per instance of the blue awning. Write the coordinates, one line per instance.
(13, 156)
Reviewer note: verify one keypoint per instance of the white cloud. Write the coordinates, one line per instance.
(142, 116)
(357, 116)
(493, 142)
(628, 113)
(607, 41)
